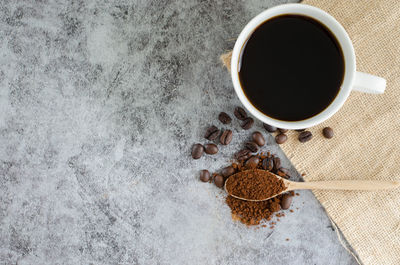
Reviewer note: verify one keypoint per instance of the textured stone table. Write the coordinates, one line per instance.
(99, 106)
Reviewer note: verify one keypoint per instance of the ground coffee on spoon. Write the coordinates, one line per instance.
(254, 184)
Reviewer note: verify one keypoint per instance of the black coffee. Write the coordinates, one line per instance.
(292, 67)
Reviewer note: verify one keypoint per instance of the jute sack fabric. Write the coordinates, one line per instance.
(366, 144)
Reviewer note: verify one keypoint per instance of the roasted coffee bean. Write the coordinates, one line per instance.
(286, 201)
(277, 164)
(212, 133)
(240, 113)
(226, 137)
(281, 138)
(327, 132)
(258, 138)
(252, 146)
(224, 118)
(242, 155)
(211, 149)
(283, 130)
(197, 151)
(252, 162)
(204, 175)
(227, 171)
(300, 130)
(268, 164)
(283, 172)
(247, 123)
(219, 181)
(305, 136)
(269, 128)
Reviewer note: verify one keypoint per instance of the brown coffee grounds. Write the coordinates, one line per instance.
(254, 213)
(254, 185)
(251, 213)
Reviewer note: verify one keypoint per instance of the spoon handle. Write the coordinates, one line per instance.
(345, 185)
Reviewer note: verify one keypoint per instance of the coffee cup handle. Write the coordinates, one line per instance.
(367, 83)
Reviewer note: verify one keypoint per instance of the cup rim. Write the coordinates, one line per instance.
(337, 30)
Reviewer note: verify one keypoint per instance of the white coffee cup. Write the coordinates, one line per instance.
(352, 80)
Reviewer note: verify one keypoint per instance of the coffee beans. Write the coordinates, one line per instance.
(212, 133)
(224, 118)
(240, 113)
(305, 136)
(281, 138)
(258, 138)
(227, 171)
(247, 123)
(286, 201)
(252, 162)
(269, 128)
(283, 172)
(327, 132)
(268, 163)
(243, 155)
(204, 175)
(251, 146)
(197, 151)
(277, 164)
(219, 181)
(226, 137)
(211, 149)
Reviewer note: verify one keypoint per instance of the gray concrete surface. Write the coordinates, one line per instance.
(99, 106)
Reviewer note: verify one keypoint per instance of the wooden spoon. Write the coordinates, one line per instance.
(320, 185)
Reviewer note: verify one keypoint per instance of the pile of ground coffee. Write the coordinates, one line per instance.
(252, 213)
(254, 184)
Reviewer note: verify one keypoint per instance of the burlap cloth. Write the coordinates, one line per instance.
(366, 143)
